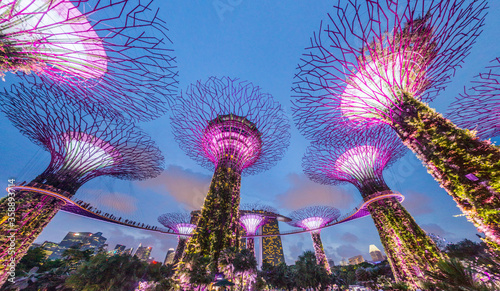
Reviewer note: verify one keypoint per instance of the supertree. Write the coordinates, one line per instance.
(111, 53)
(82, 145)
(313, 218)
(360, 159)
(479, 108)
(181, 224)
(379, 62)
(233, 128)
(252, 217)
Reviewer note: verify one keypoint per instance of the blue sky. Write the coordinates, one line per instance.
(259, 41)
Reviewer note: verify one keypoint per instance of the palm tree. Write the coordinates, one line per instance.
(453, 275)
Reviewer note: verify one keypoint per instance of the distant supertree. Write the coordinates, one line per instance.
(181, 224)
(479, 108)
(313, 218)
(111, 53)
(82, 144)
(230, 126)
(360, 159)
(378, 62)
(252, 217)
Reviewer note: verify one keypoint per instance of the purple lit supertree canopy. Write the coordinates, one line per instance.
(360, 159)
(313, 218)
(378, 62)
(233, 128)
(82, 145)
(111, 53)
(181, 224)
(479, 108)
(252, 217)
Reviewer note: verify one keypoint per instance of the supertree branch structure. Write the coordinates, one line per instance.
(252, 217)
(112, 53)
(181, 224)
(478, 108)
(313, 218)
(82, 145)
(361, 72)
(233, 128)
(359, 159)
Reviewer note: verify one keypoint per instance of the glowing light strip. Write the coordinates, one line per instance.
(362, 207)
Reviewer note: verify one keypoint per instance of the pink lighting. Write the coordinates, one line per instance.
(359, 162)
(230, 123)
(376, 86)
(55, 33)
(368, 57)
(232, 139)
(83, 152)
(185, 228)
(314, 218)
(252, 222)
(313, 223)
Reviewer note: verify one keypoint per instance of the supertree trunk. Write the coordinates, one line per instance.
(32, 214)
(251, 244)
(409, 250)
(218, 226)
(320, 251)
(179, 251)
(466, 167)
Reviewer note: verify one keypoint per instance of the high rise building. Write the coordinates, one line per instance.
(356, 260)
(128, 251)
(119, 250)
(376, 254)
(82, 240)
(49, 248)
(169, 258)
(344, 262)
(86, 240)
(272, 249)
(143, 253)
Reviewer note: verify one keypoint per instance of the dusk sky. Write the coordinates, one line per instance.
(261, 42)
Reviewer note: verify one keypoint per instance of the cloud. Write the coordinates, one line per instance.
(185, 186)
(347, 251)
(417, 203)
(132, 238)
(349, 237)
(304, 192)
(109, 201)
(436, 229)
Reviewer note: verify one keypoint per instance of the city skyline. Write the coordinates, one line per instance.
(241, 42)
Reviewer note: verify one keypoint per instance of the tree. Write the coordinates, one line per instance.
(103, 272)
(309, 274)
(465, 249)
(453, 275)
(35, 257)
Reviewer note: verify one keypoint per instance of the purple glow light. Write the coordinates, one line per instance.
(83, 152)
(56, 33)
(359, 162)
(376, 86)
(185, 228)
(313, 217)
(252, 222)
(314, 222)
(233, 138)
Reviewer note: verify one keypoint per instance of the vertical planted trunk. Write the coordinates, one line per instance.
(251, 245)
(218, 226)
(32, 212)
(409, 250)
(466, 167)
(320, 251)
(181, 246)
